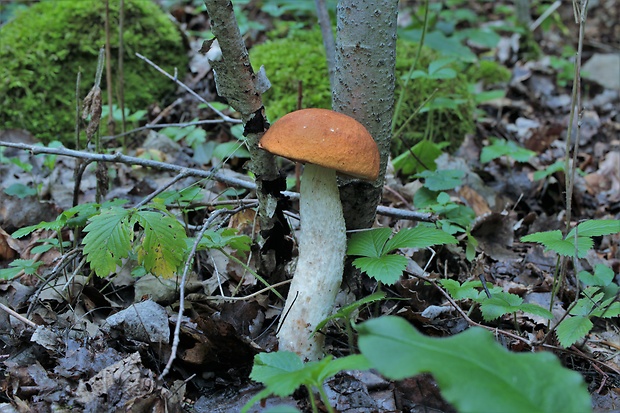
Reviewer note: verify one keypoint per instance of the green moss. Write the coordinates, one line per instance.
(46, 45)
(301, 57)
(452, 114)
(489, 72)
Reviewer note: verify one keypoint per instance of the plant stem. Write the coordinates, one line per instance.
(248, 269)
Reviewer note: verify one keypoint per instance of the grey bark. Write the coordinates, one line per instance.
(237, 82)
(364, 89)
(328, 37)
(522, 8)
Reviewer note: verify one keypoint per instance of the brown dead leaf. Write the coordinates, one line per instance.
(474, 200)
(245, 222)
(495, 235)
(120, 384)
(8, 246)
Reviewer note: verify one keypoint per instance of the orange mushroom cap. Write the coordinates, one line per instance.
(325, 138)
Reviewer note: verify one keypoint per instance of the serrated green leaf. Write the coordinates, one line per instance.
(440, 63)
(501, 147)
(557, 166)
(605, 308)
(572, 329)
(536, 310)
(64, 219)
(608, 309)
(164, 245)
(108, 240)
(553, 240)
(442, 180)
(418, 237)
(458, 291)
(499, 304)
(28, 266)
(225, 237)
(475, 374)
(584, 306)
(8, 273)
(596, 228)
(232, 149)
(22, 232)
(368, 243)
(603, 275)
(489, 95)
(387, 269)
(543, 237)
(346, 312)
(425, 152)
(283, 372)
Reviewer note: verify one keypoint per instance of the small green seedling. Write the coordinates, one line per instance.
(499, 304)
(283, 372)
(502, 147)
(29, 267)
(579, 239)
(345, 314)
(502, 303)
(599, 299)
(376, 249)
(557, 166)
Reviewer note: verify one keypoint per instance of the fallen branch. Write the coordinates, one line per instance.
(200, 173)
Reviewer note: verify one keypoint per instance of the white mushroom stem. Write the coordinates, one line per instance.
(317, 278)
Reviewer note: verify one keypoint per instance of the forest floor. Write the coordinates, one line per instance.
(69, 336)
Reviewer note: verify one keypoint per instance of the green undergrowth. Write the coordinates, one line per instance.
(47, 44)
(300, 57)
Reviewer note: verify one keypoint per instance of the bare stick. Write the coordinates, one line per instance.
(131, 160)
(188, 90)
(18, 316)
(229, 180)
(264, 290)
(166, 125)
(465, 316)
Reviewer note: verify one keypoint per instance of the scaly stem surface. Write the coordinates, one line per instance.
(322, 246)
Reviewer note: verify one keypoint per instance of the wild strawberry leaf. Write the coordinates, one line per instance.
(164, 244)
(386, 269)
(369, 243)
(603, 275)
(458, 291)
(283, 372)
(108, 239)
(225, 237)
(572, 329)
(442, 180)
(596, 228)
(418, 237)
(553, 240)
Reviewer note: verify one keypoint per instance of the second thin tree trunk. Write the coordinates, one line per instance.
(364, 89)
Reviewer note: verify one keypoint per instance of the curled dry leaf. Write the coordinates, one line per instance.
(8, 246)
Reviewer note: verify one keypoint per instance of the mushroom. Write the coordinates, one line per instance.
(327, 142)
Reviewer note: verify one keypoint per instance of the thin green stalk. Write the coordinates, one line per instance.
(121, 85)
(248, 269)
(413, 66)
(312, 401)
(325, 400)
(108, 53)
(77, 110)
(580, 13)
